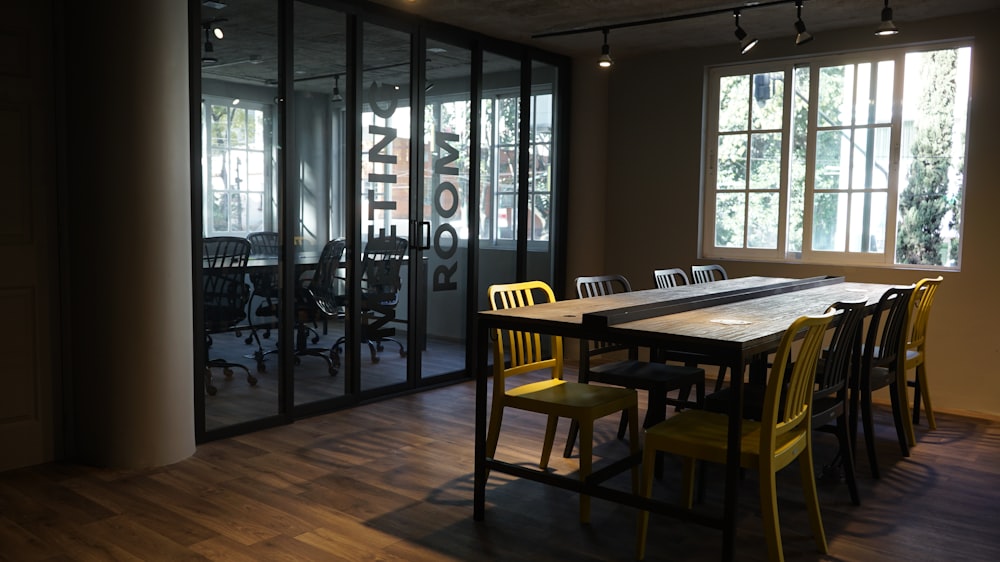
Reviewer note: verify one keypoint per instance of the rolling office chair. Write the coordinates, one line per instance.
(226, 295)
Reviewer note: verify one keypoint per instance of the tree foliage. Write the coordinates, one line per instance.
(925, 202)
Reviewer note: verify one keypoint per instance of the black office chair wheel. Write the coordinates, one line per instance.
(315, 339)
(333, 371)
(211, 390)
(248, 340)
(251, 379)
(376, 359)
(228, 372)
(379, 346)
(402, 353)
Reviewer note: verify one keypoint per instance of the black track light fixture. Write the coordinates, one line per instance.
(801, 34)
(887, 27)
(335, 95)
(604, 61)
(746, 42)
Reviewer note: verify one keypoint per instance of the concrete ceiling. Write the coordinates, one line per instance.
(520, 20)
(248, 53)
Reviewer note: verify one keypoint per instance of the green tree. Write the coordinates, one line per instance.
(925, 202)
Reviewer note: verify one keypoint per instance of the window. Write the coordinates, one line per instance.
(855, 159)
(237, 167)
(499, 168)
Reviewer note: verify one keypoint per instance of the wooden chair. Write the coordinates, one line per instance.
(672, 277)
(708, 273)
(882, 363)
(658, 379)
(782, 436)
(920, 308)
(553, 396)
(830, 406)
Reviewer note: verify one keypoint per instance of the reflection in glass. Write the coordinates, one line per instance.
(239, 198)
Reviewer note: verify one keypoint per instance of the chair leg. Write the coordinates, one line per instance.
(574, 430)
(646, 489)
(847, 458)
(623, 424)
(493, 434)
(720, 378)
(550, 437)
(769, 511)
(901, 417)
(921, 389)
(808, 477)
(586, 459)
(869, 429)
(633, 443)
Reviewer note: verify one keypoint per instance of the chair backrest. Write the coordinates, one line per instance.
(920, 307)
(324, 283)
(782, 415)
(886, 339)
(224, 264)
(264, 244)
(846, 336)
(380, 267)
(672, 277)
(595, 286)
(708, 273)
(598, 285)
(525, 350)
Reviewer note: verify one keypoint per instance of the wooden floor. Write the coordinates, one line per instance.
(393, 481)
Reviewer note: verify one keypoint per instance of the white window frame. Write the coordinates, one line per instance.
(886, 258)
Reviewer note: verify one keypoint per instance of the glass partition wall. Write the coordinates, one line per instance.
(379, 171)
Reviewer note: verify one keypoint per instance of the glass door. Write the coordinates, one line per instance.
(379, 316)
(318, 224)
(444, 211)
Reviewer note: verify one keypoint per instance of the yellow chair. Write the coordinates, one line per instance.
(553, 397)
(783, 435)
(920, 308)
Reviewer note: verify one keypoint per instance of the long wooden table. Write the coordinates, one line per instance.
(736, 321)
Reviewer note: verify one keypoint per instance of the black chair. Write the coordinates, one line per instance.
(265, 293)
(700, 274)
(380, 286)
(658, 379)
(321, 294)
(882, 365)
(265, 279)
(226, 295)
(830, 395)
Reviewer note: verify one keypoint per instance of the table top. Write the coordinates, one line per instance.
(748, 325)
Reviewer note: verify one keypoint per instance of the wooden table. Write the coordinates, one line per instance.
(737, 321)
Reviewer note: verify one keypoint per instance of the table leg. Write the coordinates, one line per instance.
(479, 486)
(733, 462)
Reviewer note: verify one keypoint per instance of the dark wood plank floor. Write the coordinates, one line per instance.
(393, 481)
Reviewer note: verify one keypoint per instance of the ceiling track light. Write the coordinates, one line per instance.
(801, 35)
(746, 42)
(335, 95)
(887, 27)
(604, 61)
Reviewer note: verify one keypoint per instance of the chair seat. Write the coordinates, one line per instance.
(702, 435)
(570, 399)
(646, 375)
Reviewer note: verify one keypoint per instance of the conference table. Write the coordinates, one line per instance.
(737, 322)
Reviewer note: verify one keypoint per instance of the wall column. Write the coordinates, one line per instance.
(129, 227)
